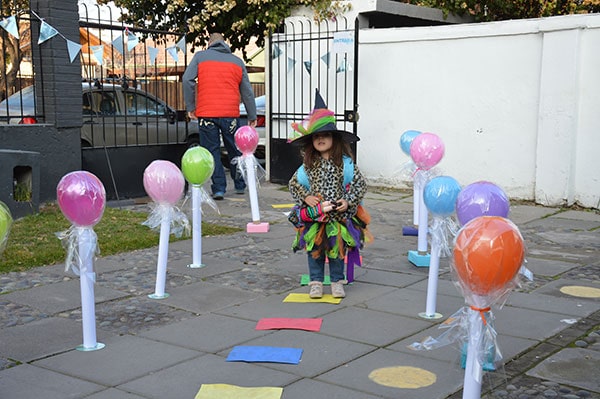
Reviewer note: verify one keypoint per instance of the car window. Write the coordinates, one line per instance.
(102, 103)
(142, 105)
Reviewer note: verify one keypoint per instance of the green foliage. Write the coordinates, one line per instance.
(497, 10)
(32, 241)
(240, 21)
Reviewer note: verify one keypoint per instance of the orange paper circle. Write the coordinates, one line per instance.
(488, 253)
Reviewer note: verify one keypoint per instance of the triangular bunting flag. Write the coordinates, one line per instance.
(276, 52)
(152, 52)
(98, 52)
(73, 49)
(173, 53)
(10, 25)
(132, 41)
(118, 44)
(46, 32)
(181, 44)
(325, 59)
(342, 66)
(308, 66)
(291, 63)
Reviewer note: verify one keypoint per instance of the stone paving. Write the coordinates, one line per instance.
(254, 271)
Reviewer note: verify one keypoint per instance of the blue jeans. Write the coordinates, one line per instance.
(316, 268)
(211, 130)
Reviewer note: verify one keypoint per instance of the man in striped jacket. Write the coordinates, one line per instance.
(214, 82)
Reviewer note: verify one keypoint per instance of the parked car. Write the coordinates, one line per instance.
(113, 115)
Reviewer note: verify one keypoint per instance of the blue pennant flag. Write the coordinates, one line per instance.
(276, 51)
(152, 52)
(291, 63)
(325, 59)
(181, 44)
(308, 66)
(73, 49)
(46, 32)
(118, 44)
(98, 52)
(132, 41)
(342, 66)
(10, 25)
(173, 53)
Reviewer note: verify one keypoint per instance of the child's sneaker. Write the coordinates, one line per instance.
(337, 290)
(316, 289)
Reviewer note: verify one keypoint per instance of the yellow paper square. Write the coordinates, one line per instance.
(280, 206)
(304, 298)
(226, 391)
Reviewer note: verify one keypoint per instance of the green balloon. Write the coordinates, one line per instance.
(5, 223)
(197, 165)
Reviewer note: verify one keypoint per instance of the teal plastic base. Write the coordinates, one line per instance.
(94, 348)
(419, 260)
(155, 296)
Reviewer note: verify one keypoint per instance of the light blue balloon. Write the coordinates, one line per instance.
(406, 140)
(440, 195)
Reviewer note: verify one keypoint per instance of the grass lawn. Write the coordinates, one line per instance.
(32, 240)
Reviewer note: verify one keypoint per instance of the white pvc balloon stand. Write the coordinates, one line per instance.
(196, 228)
(473, 369)
(432, 283)
(420, 257)
(256, 226)
(163, 251)
(86, 242)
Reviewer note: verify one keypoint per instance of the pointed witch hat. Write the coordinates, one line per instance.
(320, 120)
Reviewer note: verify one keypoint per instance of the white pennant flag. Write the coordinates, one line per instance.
(10, 25)
(46, 32)
(153, 52)
(73, 49)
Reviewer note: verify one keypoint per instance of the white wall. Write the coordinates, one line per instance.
(516, 103)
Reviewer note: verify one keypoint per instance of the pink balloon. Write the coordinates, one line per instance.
(426, 150)
(81, 198)
(164, 182)
(246, 139)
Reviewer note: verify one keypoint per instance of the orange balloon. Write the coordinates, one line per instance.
(488, 253)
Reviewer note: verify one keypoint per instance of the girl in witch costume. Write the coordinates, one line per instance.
(328, 189)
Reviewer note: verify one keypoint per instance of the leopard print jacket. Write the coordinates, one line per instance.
(326, 181)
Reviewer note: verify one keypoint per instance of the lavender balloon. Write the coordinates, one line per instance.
(481, 198)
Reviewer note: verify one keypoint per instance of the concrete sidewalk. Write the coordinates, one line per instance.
(168, 348)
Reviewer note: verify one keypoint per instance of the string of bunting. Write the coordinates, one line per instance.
(342, 65)
(47, 32)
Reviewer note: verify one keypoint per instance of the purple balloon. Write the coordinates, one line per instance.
(481, 198)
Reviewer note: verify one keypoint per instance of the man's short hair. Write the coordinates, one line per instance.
(215, 37)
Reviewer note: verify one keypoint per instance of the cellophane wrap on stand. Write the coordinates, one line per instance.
(242, 165)
(70, 240)
(180, 224)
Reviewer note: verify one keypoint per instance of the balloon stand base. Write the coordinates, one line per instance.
(196, 265)
(92, 348)
(157, 296)
(419, 260)
(410, 231)
(434, 316)
(257, 227)
(487, 366)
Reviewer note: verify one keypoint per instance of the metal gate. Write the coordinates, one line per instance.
(133, 109)
(305, 57)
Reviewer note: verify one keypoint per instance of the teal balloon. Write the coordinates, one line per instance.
(406, 140)
(5, 223)
(197, 165)
(440, 194)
